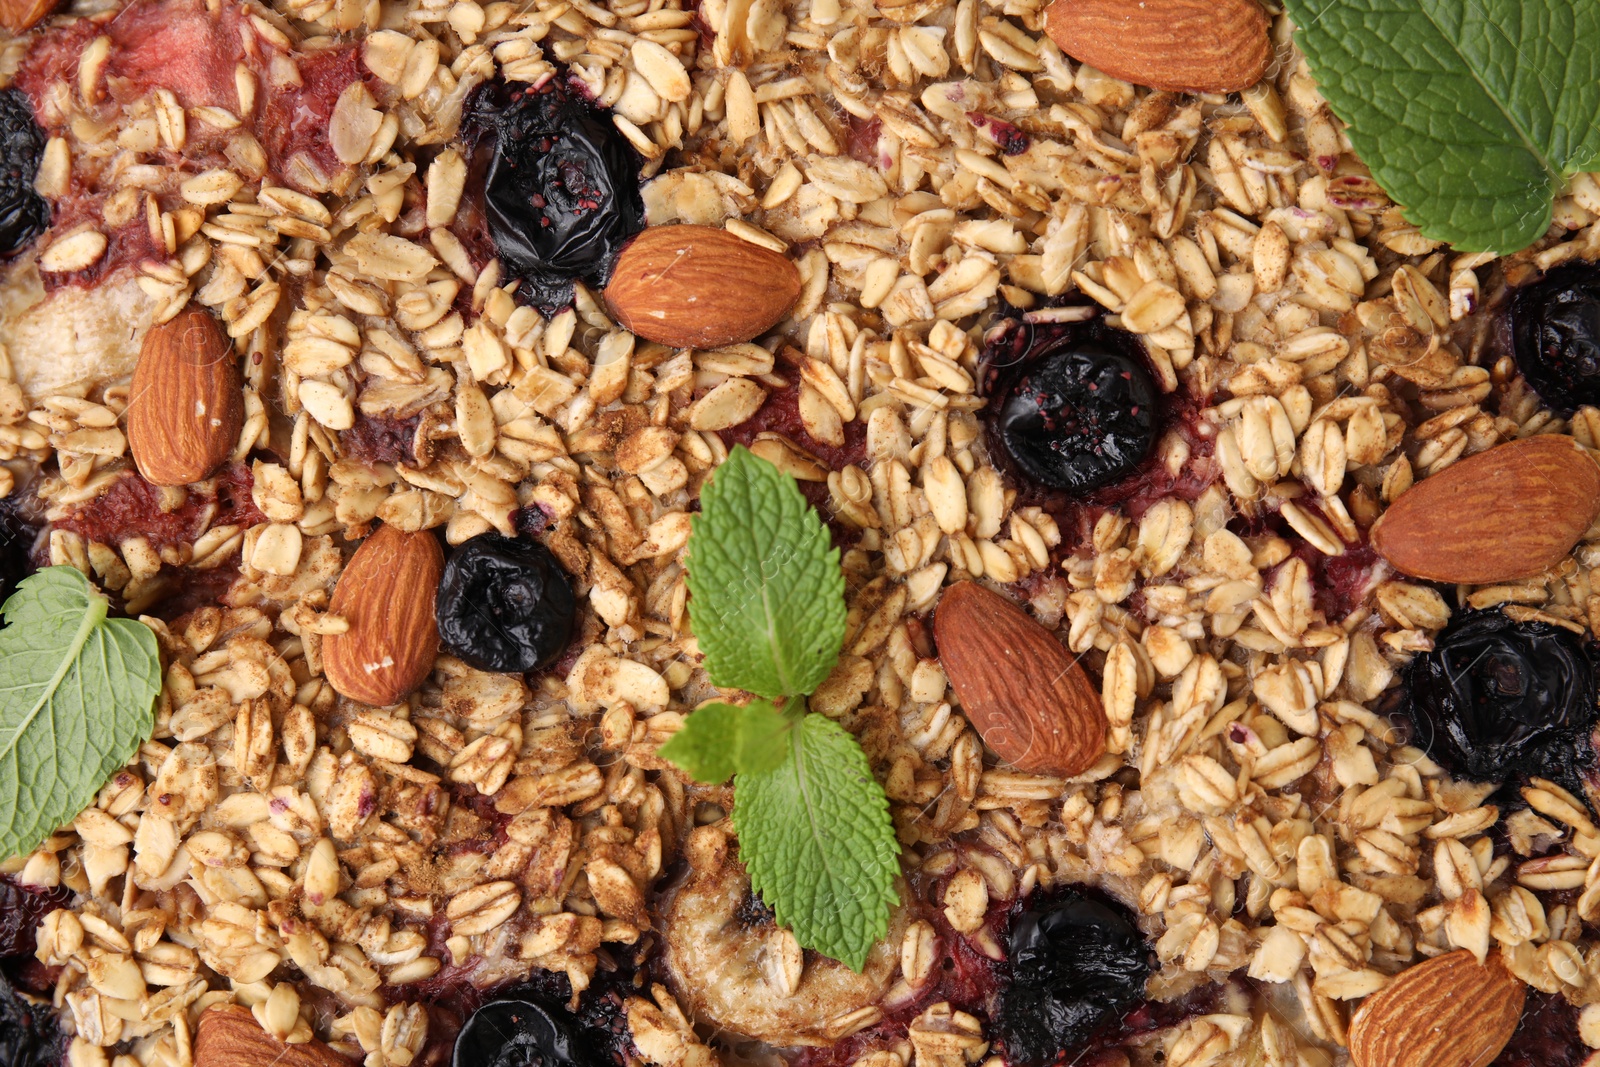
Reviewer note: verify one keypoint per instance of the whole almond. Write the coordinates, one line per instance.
(1450, 1011)
(1185, 46)
(1511, 512)
(229, 1036)
(17, 16)
(186, 405)
(700, 287)
(387, 594)
(1021, 688)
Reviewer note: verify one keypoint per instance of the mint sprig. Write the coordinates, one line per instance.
(815, 835)
(721, 740)
(1471, 114)
(768, 595)
(77, 698)
(767, 607)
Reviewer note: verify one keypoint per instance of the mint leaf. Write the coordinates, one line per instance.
(1470, 113)
(77, 698)
(764, 735)
(718, 741)
(816, 838)
(766, 593)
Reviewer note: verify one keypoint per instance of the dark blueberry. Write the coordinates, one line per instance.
(1498, 698)
(1076, 408)
(1555, 333)
(1546, 1035)
(505, 604)
(21, 911)
(1077, 966)
(29, 1036)
(17, 538)
(562, 190)
(24, 214)
(524, 1033)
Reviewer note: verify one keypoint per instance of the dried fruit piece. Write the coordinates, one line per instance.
(186, 406)
(21, 911)
(387, 594)
(562, 191)
(1449, 1011)
(1555, 333)
(1077, 964)
(18, 534)
(700, 287)
(28, 1033)
(1024, 692)
(1081, 417)
(505, 604)
(522, 1033)
(24, 214)
(1511, 512)
(1496, 698)
(229, 1036)
(1185, 46)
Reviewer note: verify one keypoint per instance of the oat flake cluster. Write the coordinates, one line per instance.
(299, 170)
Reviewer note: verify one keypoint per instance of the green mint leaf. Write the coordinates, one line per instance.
(766, 593)
(1470, 113)
(77, 698)
(764, 736)
(816, 838)
(718, 741)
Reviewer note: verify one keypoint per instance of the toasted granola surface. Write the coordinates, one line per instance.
(930, 168)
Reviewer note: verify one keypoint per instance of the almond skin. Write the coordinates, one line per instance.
(1023, 690)
(1450, 1011)
(17, 16)
(1184, 46)
(387, 593)
(700, 287)
(229, 1036)
(1511, 512)
(186, 405)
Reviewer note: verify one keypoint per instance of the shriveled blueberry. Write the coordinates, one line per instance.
(1077, 965)
(17, 537)
(28, 1033)
(21, 911)
(524, 1033)
(505, 604)
(1073, 404)
(1496, 698)
(24, 214)
(1555, 334)
(562, 189)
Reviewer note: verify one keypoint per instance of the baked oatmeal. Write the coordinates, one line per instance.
(1212, 548)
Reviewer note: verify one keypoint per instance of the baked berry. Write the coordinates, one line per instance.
(505, 604)
(1077, 965)
(562, 189)
(1555, 334)
(28, 1033)
(1073, 404)
(18, 535)
(21, 912)
(1546, 1035)
(24, 214)
(1496, 698)
(524, 1033)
